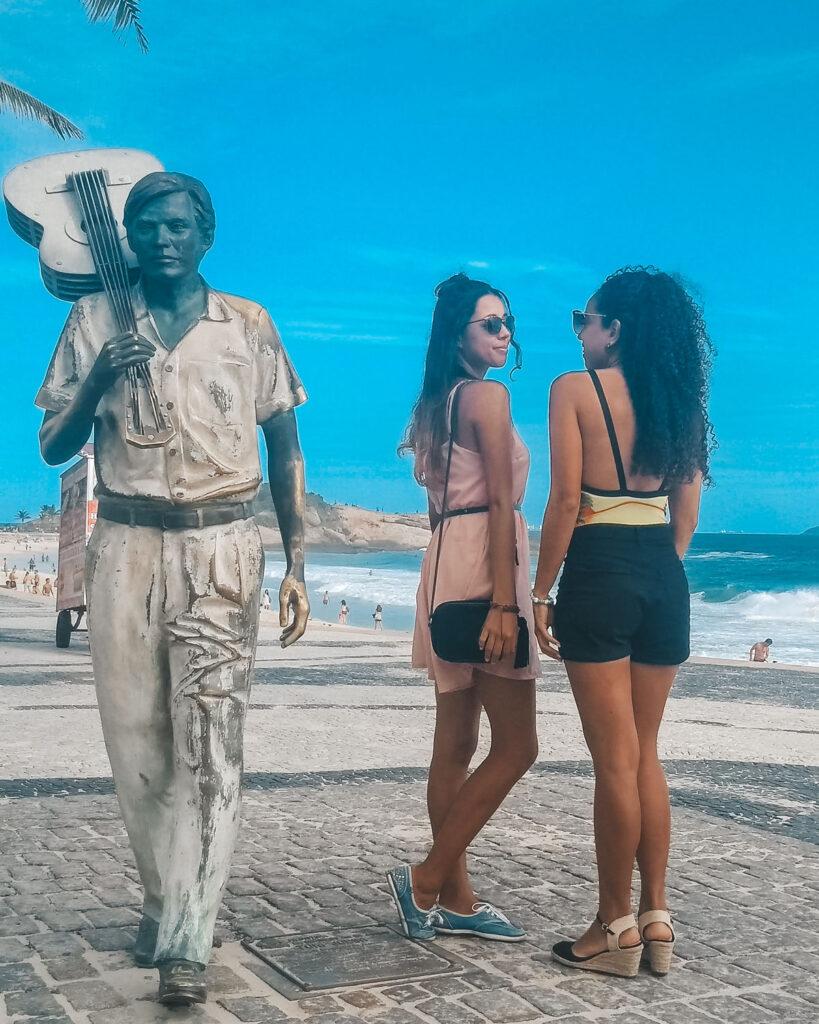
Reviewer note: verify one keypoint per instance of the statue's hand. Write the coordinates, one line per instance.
(117, 355)
(292, 596)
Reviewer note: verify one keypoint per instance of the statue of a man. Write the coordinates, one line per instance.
(175, 562)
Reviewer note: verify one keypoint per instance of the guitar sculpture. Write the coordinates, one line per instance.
(69, 206)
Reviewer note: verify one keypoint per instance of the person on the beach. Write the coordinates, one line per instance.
(48, 589)
(35, 583)
(760, 650)
(630, 442)
(484, 554)
(343, 612)
(27, 582)
(266, 600)
(378, 617)
(326, 599)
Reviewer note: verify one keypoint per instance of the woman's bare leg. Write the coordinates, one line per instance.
(602, 693)
(650, 687)
(457, 724)
(510, 708)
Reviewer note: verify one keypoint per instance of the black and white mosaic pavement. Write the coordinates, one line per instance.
(744, 878)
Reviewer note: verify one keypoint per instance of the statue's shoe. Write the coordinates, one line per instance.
(181, 983)
(145, 945)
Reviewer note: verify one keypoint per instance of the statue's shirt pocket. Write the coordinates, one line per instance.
(219, 391)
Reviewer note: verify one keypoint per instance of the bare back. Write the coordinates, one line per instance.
(599, 470)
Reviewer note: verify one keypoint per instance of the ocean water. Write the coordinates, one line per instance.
(744, 588)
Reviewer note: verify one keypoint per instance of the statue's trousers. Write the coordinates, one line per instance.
(173, 618)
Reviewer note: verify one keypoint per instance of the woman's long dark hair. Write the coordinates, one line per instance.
(665, 355)
(426, 433)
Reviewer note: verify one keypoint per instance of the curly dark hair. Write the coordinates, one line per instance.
(665, 355)
(426, 433)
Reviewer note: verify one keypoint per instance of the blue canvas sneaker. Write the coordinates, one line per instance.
(414, 920)
(485, 922)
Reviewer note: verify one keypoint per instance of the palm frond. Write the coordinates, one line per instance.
(124, 13)
(26, 106)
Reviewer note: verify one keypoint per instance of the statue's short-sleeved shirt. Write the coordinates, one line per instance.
(228, 373)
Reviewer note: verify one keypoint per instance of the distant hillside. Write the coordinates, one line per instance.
(328, 527)
(347, 527)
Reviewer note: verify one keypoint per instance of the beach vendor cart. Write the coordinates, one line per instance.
(78, 513)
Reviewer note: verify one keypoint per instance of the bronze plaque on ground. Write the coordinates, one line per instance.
(351, 956)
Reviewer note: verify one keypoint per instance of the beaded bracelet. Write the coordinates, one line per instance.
(505, 607)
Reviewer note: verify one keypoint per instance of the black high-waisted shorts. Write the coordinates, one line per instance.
(623, 593)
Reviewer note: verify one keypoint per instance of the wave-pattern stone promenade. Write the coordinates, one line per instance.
(337, 741)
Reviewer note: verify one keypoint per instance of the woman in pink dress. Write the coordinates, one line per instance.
(485, 554)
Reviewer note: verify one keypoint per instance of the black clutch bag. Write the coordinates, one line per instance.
(455, 626)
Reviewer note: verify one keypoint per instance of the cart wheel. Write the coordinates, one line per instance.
(63, 632)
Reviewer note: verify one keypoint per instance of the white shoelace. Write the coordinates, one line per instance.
(487, 908)
(434, 916)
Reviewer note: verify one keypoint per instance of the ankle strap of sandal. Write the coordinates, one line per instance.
(615, 929)
(654, 917)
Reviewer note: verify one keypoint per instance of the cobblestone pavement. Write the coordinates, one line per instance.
(315, 844)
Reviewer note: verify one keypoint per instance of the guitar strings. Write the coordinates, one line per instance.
(118, 262)
(94, 232)
(112, 240)
(113, 260)
(122, 270)
(110, 262)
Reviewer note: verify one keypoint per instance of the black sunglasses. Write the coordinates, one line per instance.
(493, 324)
(581, 319)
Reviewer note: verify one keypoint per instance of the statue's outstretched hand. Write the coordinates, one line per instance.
(292, 597)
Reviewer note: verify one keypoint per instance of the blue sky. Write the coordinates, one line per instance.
(358, 153)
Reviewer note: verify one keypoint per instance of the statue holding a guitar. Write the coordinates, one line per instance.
(173, 378)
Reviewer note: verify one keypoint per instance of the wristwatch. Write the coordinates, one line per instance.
(548, 600)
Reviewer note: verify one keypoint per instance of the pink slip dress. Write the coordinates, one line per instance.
(465, 572)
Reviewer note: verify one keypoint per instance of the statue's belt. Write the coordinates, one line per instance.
(163, 516)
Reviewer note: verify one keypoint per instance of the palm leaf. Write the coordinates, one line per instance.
(124, 13)
(25, 105)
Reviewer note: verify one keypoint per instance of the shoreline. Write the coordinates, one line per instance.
(316, 625)
(19, 547)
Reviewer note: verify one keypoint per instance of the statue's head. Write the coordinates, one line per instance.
(170, 223)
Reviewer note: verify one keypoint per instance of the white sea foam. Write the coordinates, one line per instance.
(720, 629)
(797, 606)
(714, 555)
(728, 628)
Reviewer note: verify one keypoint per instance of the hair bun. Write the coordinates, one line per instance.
(456, 282)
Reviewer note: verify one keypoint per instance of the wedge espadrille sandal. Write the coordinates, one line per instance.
(623, 961)
(657, 952)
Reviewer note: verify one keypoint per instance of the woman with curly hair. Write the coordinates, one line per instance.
(462, 420)
(630, 442)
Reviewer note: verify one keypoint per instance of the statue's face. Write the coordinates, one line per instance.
(166, 238)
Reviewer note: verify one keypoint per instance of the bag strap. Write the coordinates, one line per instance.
(452, 422)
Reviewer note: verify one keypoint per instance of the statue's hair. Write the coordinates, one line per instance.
(165, 183)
